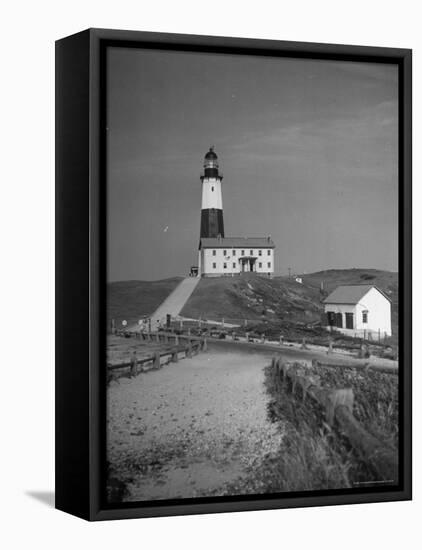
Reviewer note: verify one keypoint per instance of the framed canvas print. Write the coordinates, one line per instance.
(233, 274)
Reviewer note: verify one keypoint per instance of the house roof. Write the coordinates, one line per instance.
(350, 294)
(237, 242)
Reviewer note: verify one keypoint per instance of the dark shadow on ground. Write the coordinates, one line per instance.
(45, 497)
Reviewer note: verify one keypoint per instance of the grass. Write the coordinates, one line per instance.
(315, 456)
(132, 300)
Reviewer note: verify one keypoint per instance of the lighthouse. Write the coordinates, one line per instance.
(212, 224)
(221, 256)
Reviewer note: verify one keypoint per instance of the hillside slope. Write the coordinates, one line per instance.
(251, 296)
(132, 300)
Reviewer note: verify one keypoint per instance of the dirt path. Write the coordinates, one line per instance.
(198, 427)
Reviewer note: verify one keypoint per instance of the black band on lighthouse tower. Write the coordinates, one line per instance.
(212, 224)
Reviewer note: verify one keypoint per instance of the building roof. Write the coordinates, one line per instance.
(350, 294)
(237, 242)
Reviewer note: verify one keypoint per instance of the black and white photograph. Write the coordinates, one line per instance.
(252, 275)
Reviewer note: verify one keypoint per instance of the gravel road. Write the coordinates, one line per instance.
(194, 428)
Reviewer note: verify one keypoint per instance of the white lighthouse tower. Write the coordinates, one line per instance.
(212, 224)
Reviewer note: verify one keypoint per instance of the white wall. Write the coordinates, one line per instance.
(27, 276)
(379, 313)
(211, 194)
(231, 259)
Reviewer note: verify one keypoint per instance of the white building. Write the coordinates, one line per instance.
(234, 255)
(358, 310)
(219, 255)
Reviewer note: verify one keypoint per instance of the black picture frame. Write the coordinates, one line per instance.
(80, 271)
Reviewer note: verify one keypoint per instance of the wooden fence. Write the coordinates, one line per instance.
(154, 361)
(338, 406)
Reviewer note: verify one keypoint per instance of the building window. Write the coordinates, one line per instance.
(269, 264)
(234, 265)
(243, 252)
(214, 252)
(259, 252)
(225, 265)
(365, 317)
(250, 252)
(349, 320)
(214, 265)
(260, 264)
(234, 252)
(268, 252)
(212, 188)
(224, 252)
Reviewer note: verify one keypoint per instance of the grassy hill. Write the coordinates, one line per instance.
(132, 300)
(281, 301)
(253, 297)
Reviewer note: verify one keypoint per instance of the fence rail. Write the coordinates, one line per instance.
(192, 347)
(338, 405)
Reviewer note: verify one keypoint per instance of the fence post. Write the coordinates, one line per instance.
(176, 340)
(204, 344)
(189, 331)
(330, 347)
(222, 322)
(133, 365)
(189, 350)
(246, 323)
(166, 338)
(281, 339)
(304, 346)
(157, 362)
(174, 356)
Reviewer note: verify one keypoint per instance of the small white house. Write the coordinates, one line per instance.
(229, 256)
(358, 310)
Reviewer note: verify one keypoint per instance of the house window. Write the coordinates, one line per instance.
(259, 252)
(214, 252)
(212, 188)
(234, 252)
(268, 252)
(214, 265)
(224, 252)
(365, 317)
(260, 264)
(339, 320)
(243, 252)
(225, 265)
(251, 253)
(234, 265)
(269, 264)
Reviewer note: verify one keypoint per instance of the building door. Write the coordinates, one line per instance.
(349, 320)
(339, 320)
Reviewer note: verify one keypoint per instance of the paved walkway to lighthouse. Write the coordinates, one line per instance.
(175, 302)
(194, 428)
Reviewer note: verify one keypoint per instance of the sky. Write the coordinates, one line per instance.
(308, 151)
